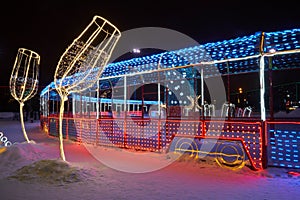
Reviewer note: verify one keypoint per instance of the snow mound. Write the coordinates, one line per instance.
(186, 157)
(209, 162)
(21, 153)
(48, 171)
(276, 172)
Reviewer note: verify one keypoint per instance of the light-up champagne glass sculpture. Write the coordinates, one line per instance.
(83, 61)
(24, 81)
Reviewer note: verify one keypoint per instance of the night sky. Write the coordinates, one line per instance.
(48, 27)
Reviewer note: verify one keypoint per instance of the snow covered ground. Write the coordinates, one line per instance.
(34, 171)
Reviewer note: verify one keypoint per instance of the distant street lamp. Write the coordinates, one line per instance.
(135, 50)
(240, 90)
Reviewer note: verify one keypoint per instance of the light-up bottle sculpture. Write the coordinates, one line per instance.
(24, 79)
(83, 61)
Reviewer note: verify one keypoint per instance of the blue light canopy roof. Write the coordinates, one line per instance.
(234, 56)
(228, 49)
(234, 48)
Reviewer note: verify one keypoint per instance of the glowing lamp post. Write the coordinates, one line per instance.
(82, 63)
(23, 83)
(135, 50)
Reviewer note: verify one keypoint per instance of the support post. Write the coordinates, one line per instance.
(262, 102)
(271, 104)
(202, 92)
(98, 100)
(262, 88)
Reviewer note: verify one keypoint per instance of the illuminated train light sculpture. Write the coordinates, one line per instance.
(128, 111)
